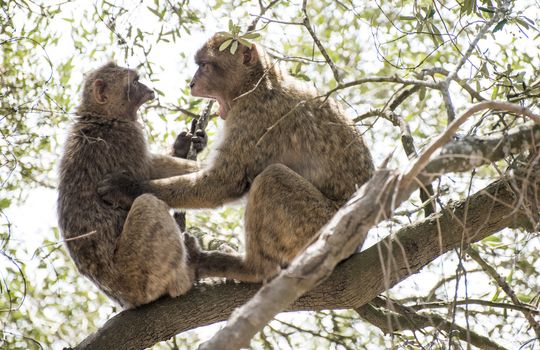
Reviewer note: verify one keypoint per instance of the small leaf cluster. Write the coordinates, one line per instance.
(233, 38)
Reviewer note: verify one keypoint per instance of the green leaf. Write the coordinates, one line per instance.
(422, 93)
(436, 34)
(5, 203)
(224, 34)
(303, 77)
(496, 295)
(407, 18)
(495, 92)
(225, 44)
(297, 68)
(251, 35)
(234, 46)
(485, 9)
(484, 70)
(468, 6)
(154, 11)
(499, 25)
(244, 42)
(525, 24)
(531, 22)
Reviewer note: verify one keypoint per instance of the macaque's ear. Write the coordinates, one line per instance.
(99, 91)
(250, 55)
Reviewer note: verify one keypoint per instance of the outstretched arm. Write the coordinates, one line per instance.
(208, 188)
(167, 166)
(164, 166)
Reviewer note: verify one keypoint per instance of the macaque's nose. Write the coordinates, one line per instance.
(191, 85)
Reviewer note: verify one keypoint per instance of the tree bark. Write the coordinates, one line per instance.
(354, 282)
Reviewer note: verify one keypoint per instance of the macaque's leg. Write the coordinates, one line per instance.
(284, 213)
(150, 257)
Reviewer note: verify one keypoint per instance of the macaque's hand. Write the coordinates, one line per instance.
(185, 139)
(119, 190)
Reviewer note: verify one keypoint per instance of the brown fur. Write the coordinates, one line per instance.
(298, 156)
(137, 254)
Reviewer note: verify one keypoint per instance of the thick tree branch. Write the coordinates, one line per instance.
(354, 283)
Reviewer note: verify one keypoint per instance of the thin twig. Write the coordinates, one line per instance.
(506, 288)
(309, 28)
(473, 44)
(443, 304)
(263, 8)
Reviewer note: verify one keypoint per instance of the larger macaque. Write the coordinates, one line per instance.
(297, 156)
(134, 253)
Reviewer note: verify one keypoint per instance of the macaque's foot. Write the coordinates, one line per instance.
(192, 247)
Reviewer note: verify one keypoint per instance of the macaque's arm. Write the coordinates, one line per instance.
(207, 188)
(166, 166)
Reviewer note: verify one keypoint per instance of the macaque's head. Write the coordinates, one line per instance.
(115, 92)
(222, 75)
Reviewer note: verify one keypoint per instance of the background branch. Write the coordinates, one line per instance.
(391, 317)
(504, 286)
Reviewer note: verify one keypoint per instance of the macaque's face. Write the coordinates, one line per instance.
(135, 92)
(212, 79)
(222, 75)
(119, 92)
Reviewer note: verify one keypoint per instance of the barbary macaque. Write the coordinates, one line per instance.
(134, 252)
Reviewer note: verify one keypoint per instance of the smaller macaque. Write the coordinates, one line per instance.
(134, 252)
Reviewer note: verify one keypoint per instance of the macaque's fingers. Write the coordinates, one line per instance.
(193, 125)
(181, 144)
(200, 140)
(192, 247)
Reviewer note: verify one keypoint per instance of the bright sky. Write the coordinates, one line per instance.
(35, 218)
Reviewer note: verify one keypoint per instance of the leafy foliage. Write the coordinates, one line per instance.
(47, 47)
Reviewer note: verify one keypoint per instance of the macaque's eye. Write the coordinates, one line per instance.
(205, 65)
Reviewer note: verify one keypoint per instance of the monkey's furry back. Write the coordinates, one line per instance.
(96, 146)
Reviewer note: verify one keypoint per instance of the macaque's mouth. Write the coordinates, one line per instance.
(148, 97)
(222, 111)
(144, 98)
